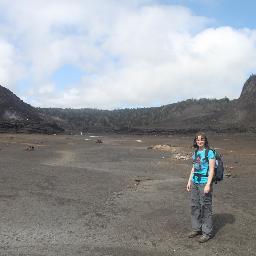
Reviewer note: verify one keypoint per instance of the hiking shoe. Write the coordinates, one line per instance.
(194, 233)
(204, 238)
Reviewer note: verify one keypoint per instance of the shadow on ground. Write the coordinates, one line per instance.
(221, 219)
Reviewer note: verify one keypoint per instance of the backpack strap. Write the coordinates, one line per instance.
(195, 155)
(207, 159)
(206, 154)
(197, 174)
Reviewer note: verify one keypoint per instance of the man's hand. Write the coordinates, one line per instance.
(207, 188)
(189, 186)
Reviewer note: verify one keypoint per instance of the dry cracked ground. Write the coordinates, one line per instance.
(68, 195)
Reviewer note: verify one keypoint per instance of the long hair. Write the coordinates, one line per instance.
(203, 136)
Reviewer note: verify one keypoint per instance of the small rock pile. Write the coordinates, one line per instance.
(164, 147)
(180, 156)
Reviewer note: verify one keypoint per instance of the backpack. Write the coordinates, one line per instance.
(219, 165)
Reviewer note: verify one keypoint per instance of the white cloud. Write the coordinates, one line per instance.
(133, 53)
(10, 69)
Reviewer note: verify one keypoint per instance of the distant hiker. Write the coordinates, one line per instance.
(200, 185)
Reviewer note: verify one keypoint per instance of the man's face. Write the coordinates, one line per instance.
(200, 141)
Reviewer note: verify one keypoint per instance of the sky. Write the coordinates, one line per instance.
(112, 54)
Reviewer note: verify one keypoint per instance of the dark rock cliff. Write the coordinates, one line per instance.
(248, 94)
(18, 116)
(246, 104)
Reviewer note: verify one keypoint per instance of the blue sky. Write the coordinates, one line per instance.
(237, 14)
(67, 75)
(129, 53)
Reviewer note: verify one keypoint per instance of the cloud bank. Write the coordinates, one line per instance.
(123, 53)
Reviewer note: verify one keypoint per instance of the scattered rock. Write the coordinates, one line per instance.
(180, 156)
(228, 168)
(229, 172)
(137, 181)
(30, 148)
(230, 175)
(164, 147)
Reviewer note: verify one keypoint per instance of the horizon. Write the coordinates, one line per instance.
(129, 108)
(113, 55)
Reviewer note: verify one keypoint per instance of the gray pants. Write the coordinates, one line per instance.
(201, 209)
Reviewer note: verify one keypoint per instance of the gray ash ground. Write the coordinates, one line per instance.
(67, 195)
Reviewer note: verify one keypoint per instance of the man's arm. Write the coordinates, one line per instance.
(207, 187)
(190, 179)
